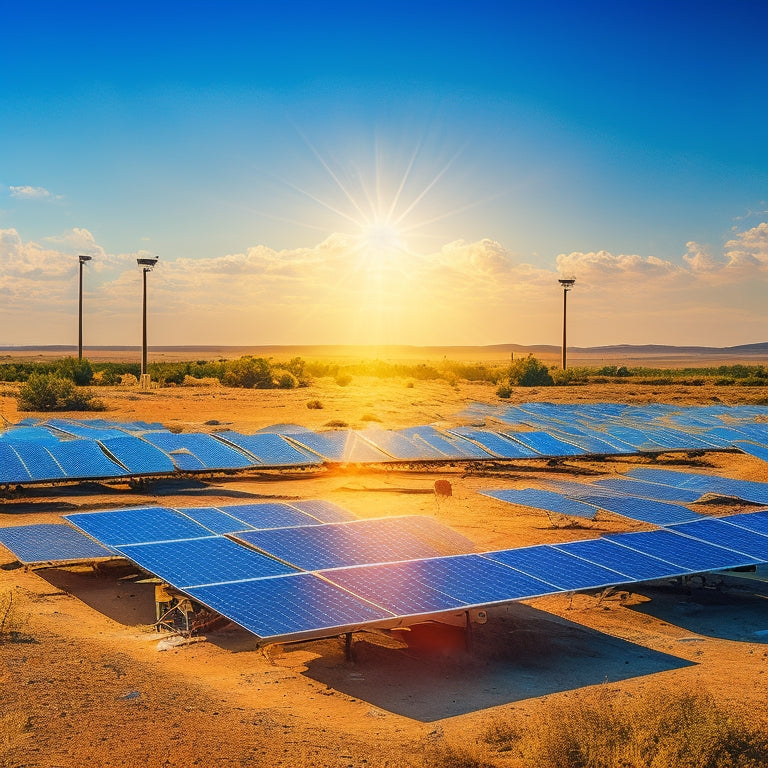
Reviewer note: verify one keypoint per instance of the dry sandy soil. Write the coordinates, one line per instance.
(88, 683)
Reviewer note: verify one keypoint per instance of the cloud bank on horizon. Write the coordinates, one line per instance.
(330, 293)
(385, 173)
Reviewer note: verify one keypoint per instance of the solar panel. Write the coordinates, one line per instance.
(646, 510)
(592, 443)
(724, 534)
(185, 461)
(285, 606)
(38, 461)
(562, 570)
(648, 490)
(540, 499)
(194, 562)
(137, 525)
(211, 453)
(438, 536)
(138, 456)
(439, 584)
(336, 545)
(678, 479)
(752, 521)
(12, 469)
(81, 459)
(449, 445)
(50, 543)
(496, 444)
(214, 519)
(546, 445)
(680, 550)
(322, 510)
(634, 565)
(398, 446)
(270, 449)
(268, 515)
(753, 449)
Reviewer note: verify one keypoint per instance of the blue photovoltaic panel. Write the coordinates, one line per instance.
(185, 461)
(539, 499)
(214, 519)
(680, 550)
(270, 449)
(336, 545)
(399, 446)
(546, 445)
(396, 587)
(752, 521)
(38, 461)
(634, 565)
(593, 443)
(269, 515)
(646, 510)
(137, 525)
(12, 469)
(340, 445)
(50, 543)
(648, 490)
(564, 571)
(212, 453)
(634, 437)
(288, 605)
(324, 511)
(724, 534)
(19, 434)
(450, 445)
(439, 584)
(194, 562)
(442, 538)
(498, 445)
(678, 479)
(138, 456)
(753, 449)
(83, 459)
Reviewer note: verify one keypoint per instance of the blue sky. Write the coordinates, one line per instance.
(259, 149)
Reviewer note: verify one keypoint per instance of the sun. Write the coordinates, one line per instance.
(381, 238)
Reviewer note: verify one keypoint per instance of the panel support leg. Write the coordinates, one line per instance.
(468, 635)
(348, 650)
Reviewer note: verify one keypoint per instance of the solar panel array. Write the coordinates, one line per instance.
(65, 449)
(290, 590)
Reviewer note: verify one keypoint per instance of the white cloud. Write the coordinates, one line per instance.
(32, 193)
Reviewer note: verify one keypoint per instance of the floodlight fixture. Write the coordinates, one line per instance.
(567, 284)
(147, 264)
(82, 258)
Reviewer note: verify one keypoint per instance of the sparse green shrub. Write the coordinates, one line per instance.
(724, 381)
(286, 380)
(343, 379)
(504, 391)
(336, 424)
(79, 371)
(369, 417)
(248, 372)
(48, 392)
(529, 372)
(314, 405)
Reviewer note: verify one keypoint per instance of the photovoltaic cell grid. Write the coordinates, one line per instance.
(270, 449)
(314, 548)
(211, 453)
(138, 456)
(194, 562)
(495, 444)
(51, 543)
(541, 499)
(646, 510)
(38, 461)
(724, 534)
(322, 510)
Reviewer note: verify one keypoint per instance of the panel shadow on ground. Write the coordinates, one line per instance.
(737, 613)
(521, 653)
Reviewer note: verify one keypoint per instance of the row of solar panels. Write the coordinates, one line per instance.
(657, 496)
(317, 578)
(61, 449)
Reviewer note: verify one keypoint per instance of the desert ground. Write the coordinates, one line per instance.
(88, 682)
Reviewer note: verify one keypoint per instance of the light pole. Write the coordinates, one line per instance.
(147, 264)
(567, 283)
(82, 258)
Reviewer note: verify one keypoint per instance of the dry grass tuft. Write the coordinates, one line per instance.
(688, 729)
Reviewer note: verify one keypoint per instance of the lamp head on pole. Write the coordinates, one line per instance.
(147, 263)
(567, 282)
(83, 258)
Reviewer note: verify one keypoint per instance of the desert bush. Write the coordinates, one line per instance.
(48, 392)
(529, 372)
(79, 371)
(343, 379)
(248, 372)
(336, 424)
(314, 405)
(681, 729)
(285, 380)
(504, 391)
(369, 417)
